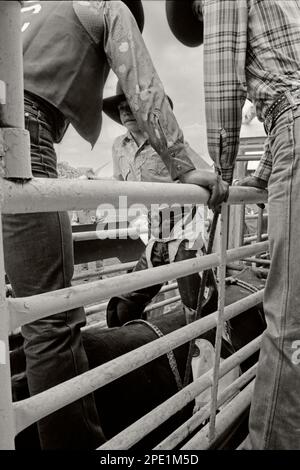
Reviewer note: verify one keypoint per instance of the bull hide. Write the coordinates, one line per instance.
(128, 398)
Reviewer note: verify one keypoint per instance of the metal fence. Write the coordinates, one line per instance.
(50, 195)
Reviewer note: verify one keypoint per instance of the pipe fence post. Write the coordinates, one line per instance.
(15, 162)
(14, 140)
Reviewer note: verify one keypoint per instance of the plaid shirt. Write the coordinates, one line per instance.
(264, 169)
(250, 47)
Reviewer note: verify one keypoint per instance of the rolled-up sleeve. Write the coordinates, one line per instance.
(130, 60)
(264, 169)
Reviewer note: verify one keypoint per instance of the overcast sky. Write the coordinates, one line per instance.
(180, 69)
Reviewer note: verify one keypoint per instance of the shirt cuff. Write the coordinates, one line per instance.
(177, 160)
(226, 174)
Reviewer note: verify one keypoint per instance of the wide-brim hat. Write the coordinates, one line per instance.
(110, 105)
(184, 24)
(136, 8)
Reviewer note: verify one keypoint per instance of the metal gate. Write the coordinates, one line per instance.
(51, 195)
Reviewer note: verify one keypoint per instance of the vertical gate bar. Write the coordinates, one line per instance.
(259, 224)
(237, 214)
(11, 65)
(242, 225)
(220, 324)
(11, 116)
(7, 425)
(15, 150)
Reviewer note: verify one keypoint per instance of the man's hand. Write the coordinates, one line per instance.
(219, 189)
(252, 182)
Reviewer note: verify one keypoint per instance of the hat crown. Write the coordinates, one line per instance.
(184, 24)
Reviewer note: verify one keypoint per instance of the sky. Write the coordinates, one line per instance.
(180, 69)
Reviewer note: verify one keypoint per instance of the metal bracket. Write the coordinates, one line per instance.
(15, 153)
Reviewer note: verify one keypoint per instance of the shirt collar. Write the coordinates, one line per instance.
(128, 138)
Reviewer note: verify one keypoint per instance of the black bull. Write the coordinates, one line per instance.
(126, 399)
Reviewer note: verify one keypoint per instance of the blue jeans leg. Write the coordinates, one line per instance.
(275, 410)
(38, 252)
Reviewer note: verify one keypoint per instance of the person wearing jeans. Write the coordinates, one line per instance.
(252, 48)
(68, 50)
(38, 253)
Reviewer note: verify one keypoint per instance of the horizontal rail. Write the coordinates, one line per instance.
(200, 416)
(250, 158)
(103, 306)
(34, 408)
(226, 417)
(151, 307)
(255, 216)
(131, 435)
(266, 262)
(103, 271)
(253, 238)
(118, 234)
(163, 303)
(24, 310)
(49, 194)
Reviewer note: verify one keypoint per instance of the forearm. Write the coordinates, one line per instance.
(130, 60)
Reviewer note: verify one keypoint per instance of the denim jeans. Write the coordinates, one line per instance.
(275, 409)
(39, 258)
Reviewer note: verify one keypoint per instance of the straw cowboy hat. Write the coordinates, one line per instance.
(137, 10)
(110, 105)
(184, 24)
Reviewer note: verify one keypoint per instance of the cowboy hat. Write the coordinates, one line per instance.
(183, 22)
(137, 10)
(110, 105)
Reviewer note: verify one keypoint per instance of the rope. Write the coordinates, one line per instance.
(200, 300)
(170, 355)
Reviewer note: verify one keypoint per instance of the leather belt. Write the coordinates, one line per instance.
(279, 106)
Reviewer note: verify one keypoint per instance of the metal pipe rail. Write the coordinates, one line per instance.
(200, 416)
(72, 295)
(265, 262)
(24, 310)
(48, 195)
(130, 436)
(103, 271)
(122, 233)
(14, 162)
(253, 238)
(101, 307)
(230, 413)
(38, 406)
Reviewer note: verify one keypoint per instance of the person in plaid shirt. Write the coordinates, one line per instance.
(252, 48)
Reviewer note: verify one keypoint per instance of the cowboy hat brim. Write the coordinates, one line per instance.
(185, 26)
(110, 106)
